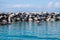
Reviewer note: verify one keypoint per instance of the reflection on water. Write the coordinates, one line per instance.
(31, 30)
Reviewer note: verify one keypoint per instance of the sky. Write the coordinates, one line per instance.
(29, 5)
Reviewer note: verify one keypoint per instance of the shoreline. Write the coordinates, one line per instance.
(11, 17)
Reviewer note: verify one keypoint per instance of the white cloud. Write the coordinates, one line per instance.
(25, 6)
(21, 5)
(54, 4)
(50, 4)
(57, 4)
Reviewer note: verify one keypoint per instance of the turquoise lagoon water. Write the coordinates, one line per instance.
(30, 31)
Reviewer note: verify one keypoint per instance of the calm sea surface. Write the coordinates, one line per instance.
(31, 31)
